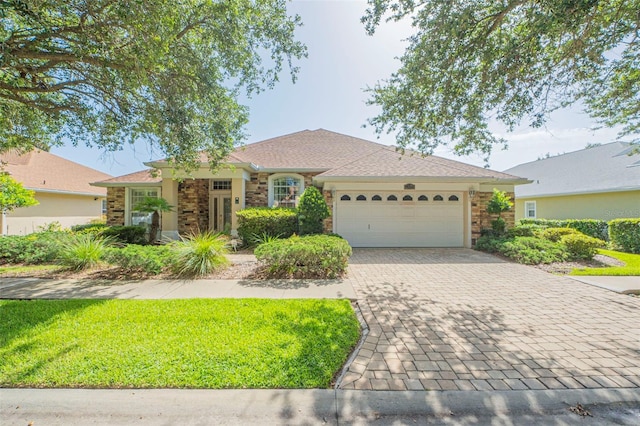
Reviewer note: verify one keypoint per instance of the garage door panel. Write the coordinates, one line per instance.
(401, 223)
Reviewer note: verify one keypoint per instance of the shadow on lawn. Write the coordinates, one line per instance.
(19, 318)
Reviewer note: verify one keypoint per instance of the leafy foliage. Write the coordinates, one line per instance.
(199, 254)
(556, 234)
(89, 228)
(470, 62)
(311, 256)
(275, 222)
(155, 206)
(83, 251)
(133, 234)
(581, 246)
(532, 250)
(114, 72)
(312, 210)
(135, 258)
(499, 203)
(33, 249)
(592, 227)
(13, 195)
(624, 234)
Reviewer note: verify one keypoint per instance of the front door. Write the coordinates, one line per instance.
(220, 212)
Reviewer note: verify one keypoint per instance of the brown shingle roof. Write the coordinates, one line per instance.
(387, 162)
(143, 176)
(41, 170)
(309, 149)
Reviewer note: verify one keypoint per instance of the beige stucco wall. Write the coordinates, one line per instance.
(605, 206)
(66, 209)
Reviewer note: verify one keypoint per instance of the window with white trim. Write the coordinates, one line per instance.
(284, 190)
(530, 209)
(136, 195)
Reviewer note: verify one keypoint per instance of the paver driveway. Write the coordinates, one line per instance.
(459, 319)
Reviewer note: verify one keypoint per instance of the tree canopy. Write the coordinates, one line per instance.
(107, 72)
(13, 195)
(514, 61)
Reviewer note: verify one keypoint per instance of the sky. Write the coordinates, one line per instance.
(329, 93)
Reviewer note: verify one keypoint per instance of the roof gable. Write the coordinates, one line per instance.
(43, 171)
(603, 168)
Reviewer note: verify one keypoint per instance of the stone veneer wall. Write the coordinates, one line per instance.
(193, 205)
(115, 205)
(480, 219)
(257, 189)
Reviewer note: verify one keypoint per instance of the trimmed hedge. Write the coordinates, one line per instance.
(135, 258)
(581, 246)
(624, 235)
(265, 221)
(126, 234)
(311, 256)
(32, 249)
(591, 227)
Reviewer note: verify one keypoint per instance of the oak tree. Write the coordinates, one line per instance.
(108, 73)
(514, 61)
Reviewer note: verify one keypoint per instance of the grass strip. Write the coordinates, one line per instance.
(631, 267)
(194, 343)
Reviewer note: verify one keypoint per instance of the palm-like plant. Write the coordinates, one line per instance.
(154, 206)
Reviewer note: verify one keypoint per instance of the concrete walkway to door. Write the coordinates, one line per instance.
(457, 319)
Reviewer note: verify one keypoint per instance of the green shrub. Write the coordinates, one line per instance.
(312, 256)
(489, 243)
(581, 246)
(533, 251)
(127, 234)
(199, 254)
(591, 227)
(556, 234)
(89, 228)
(275, 222)
(312, 210)
(498, 226)
(136, 258)
(526, 230)
(624, 235)
(83, 251)
(31, 249)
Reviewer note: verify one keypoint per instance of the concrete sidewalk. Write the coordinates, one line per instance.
(310, 407)
(618, 284)
(38, 288)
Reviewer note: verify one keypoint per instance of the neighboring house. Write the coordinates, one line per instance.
(61, 187)
(601, 182)
(378, 197)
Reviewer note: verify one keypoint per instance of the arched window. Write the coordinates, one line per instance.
(438, 198)
(285, 189)
(423, 198)
(376, 198)
(453, 198)
(345, 198)
(392, 198)
(407, 198)
(361, 198)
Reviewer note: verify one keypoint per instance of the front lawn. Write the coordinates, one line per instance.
(631, 267)
(195, 343)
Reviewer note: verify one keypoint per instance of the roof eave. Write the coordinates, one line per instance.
(164, 165)
(476, 179)
(572, 193)
(124, 184)
(63, 192)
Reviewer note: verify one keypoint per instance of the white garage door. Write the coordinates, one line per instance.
(396, 219)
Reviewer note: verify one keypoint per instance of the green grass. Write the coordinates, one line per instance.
(26, 269)
(631, 267)
(195, 343)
